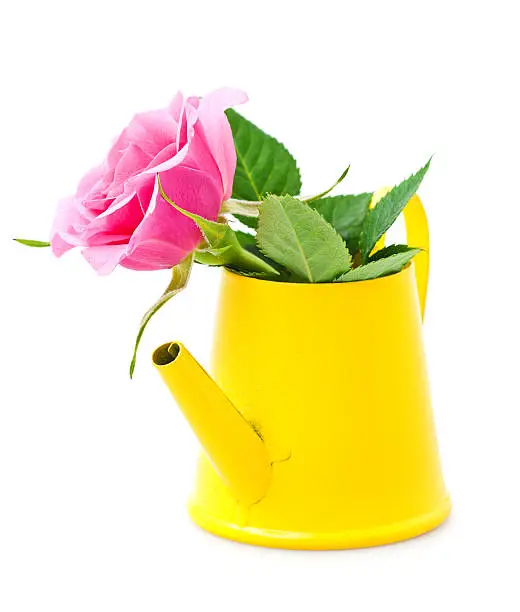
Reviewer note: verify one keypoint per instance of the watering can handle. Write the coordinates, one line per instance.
(417, 235)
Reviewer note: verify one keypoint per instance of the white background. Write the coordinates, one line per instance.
(95, 469)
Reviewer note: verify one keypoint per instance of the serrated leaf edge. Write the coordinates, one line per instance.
(366, 250)
(240, 156)
(344, 278)
(322, 219)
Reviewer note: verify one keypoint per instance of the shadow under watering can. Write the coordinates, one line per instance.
(317, 429)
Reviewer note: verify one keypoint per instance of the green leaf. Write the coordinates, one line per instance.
(223, 243)
(180, 276)
(346, 213)
(263, 164)
(211, 257)
(386, 211)
(297, 237)
(246, 240)
(327, 191)
(32, 243)
(214, 257)
(247, 212)
(380, 267)
(251, 222)
(392, 249)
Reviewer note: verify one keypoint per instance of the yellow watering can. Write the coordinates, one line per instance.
(317, 429)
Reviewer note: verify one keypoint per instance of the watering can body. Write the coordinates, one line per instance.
(330, 382)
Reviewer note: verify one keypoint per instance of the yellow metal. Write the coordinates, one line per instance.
(417, 235)
(235, 450)
(333, 378)
(376, 196)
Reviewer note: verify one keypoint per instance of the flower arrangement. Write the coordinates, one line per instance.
(198, 183)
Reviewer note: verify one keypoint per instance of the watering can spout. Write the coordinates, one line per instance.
(234, 448)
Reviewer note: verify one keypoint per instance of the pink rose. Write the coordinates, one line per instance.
(117, 215)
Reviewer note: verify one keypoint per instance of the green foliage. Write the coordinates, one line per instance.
(32, 243)
(392, 249)
(296, 236)
(214, 257)
(251, 222)
(211, 257)
(180, 276)
(327, 191)
(386, 211)
(263, 164)
(310, 240)
(226, 249)
(247, 241)
(223, 247)
(346, 214)
(380, 267)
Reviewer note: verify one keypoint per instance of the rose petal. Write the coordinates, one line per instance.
(132, 162)
(103, 258)
(152, 131)
(166, 236)
(89, 181)
(218, 131)
(122, 220)
(118, 215)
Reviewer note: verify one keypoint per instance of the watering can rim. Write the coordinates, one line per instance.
(382, 279)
